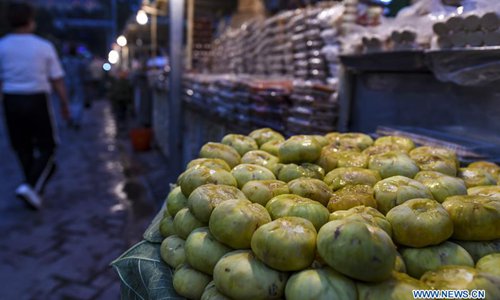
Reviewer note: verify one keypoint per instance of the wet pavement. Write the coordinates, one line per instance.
(97, 205)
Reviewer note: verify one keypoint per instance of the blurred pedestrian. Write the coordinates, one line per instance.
(120, 94)
(74, 67)
(29, 66)
(96, 80)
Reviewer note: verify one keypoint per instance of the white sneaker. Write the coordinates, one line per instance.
(30, 197)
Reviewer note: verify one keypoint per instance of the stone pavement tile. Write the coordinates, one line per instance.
(42, 232)
(22, 262)
(16, 282)
(9, 173)
(65, 269)
(46, 287)
(59, 217)
(76, 292)
(102, 261)
(42, 248)
(15, 214)
(156, 177)
(51, 257)
(20, 244)
(115, 221)
(111, 292)
(77, 227)
(104, 279)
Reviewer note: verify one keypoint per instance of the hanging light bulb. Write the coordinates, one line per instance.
(121, 41)
(142, 17)
(113, 57)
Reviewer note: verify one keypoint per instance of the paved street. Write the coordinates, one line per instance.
(96, 206)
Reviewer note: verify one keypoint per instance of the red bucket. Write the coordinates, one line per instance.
(141, 138)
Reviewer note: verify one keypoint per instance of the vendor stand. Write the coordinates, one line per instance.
(384, 93)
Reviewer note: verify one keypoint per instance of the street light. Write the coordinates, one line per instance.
(142, 17)
(106, 67)
(121, 41)
(113, 57)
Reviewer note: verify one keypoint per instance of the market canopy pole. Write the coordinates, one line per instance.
(190, 21)
(176, 118)
(113, 21)
(154, 35)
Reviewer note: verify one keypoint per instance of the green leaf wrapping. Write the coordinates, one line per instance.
(144, 275)
(152, 233)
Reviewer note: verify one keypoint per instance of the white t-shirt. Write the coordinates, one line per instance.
(27, 64)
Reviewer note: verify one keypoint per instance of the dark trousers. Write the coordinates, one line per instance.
(31, 130)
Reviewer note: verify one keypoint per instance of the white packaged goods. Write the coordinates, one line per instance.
(429, 24)
(288, 44)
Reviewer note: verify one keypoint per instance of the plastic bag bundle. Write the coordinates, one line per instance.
(309, 61)
(280, 53)
(314, 108)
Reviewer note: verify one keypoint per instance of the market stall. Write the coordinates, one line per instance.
(364, 69)
(281, 197)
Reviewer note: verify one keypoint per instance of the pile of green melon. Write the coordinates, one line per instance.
(339, 216)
